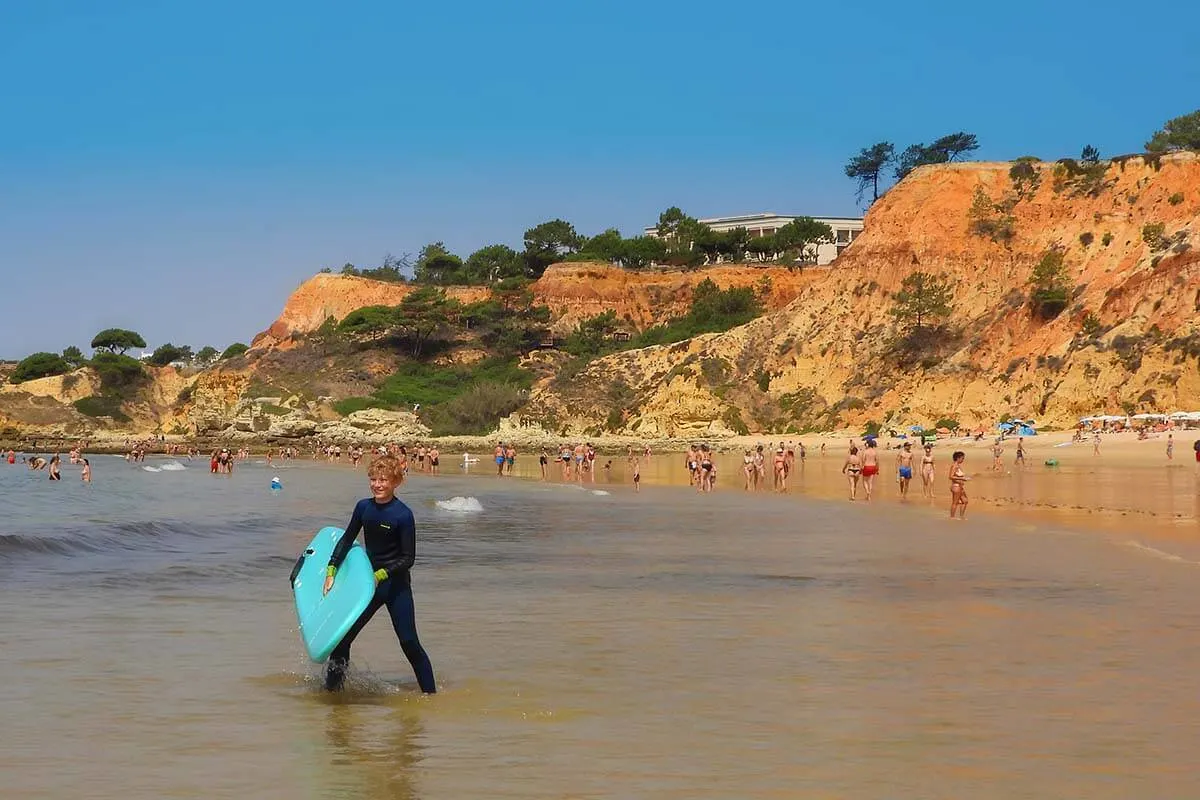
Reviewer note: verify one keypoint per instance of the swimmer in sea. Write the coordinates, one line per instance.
(851, 469)
(927, 472)
(55, 474)
(390, 536)
(958, 486)
(86, 474)
(904, 468)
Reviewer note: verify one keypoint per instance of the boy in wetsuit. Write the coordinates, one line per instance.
(390, 537)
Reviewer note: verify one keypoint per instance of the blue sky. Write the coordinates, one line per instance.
(180, 168)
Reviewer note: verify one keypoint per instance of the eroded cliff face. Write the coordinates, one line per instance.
(829, 358)
(573, 292)
(1128, 340)
(327, 295)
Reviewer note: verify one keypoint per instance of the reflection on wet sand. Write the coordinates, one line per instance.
(373, 748)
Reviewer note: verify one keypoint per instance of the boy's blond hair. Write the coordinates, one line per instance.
(388, 467)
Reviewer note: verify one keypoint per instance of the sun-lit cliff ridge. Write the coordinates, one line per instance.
(828, 358)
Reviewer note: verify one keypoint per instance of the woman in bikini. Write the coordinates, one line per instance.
(706, 469)
(851, 469)
(927, 472)
(958, 488)
(780, 466)
(749, 469)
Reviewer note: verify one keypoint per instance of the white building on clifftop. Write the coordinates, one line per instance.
(845, 230)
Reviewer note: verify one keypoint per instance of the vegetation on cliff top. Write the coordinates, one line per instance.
(679, 241)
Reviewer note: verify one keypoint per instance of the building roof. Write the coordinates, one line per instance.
(771, 215)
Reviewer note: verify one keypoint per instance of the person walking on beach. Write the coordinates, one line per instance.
(779, 465)
(435, 459)
(543, 460)
(390, 537)
(997, 457)
(927, 472)
(870, 467)
(1096, 443)
(637, 476)
(1020, 460)
(904, 468)
(958, 486)
(851, 469)
(1170, 447)
(498, 456)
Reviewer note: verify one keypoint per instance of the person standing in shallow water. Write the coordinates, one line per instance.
(390, 538)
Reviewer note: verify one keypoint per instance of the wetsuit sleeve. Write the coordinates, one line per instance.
(407, 530)
(347, 541)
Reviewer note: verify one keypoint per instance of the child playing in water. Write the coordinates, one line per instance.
(390, 537)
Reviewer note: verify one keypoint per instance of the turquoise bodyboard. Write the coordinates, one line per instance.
(326, 619)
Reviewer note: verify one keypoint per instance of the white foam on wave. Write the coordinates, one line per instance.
(1164, 555)
(460, 504)
(173, 466)
(152, 469)
(600, 492)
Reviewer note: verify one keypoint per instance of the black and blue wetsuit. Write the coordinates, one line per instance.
(390, 537)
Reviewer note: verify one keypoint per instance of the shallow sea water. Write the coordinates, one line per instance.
(656, 645)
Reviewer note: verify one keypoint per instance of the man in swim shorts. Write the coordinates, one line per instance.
(870, 467)
(390, 537)
(904, 468)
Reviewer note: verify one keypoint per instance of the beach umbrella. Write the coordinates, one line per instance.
(1149, 416)
(1006, 426)
(916, 428)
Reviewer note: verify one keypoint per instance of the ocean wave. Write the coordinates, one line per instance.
(114, 538)
(459, 504)
(152, 469)
(173, 466)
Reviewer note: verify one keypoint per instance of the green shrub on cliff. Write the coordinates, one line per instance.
(1180, 133)
(39, 365)
(118, 373)
(234, 350)
(1051, 285)
(101, 405)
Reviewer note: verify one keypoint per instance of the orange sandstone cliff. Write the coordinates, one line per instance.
(1128, 340)
(572, 292)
